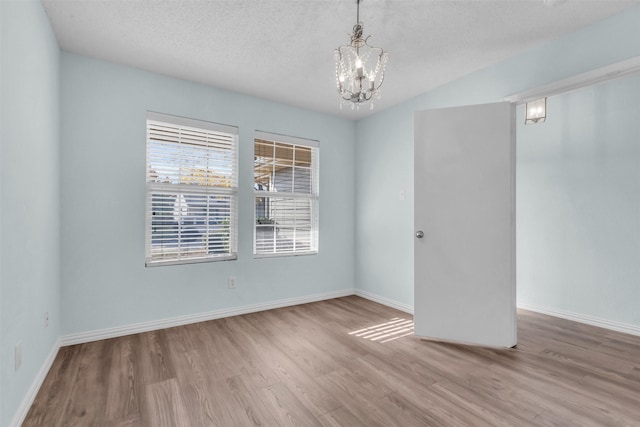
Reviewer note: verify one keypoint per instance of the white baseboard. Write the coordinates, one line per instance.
(153, 325)
(24, 407)
(385, 301)
(89, 336)
(584, 318)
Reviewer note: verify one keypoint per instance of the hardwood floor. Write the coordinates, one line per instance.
(327, 364)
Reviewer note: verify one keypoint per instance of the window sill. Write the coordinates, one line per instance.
(161, 263)
(284, 254)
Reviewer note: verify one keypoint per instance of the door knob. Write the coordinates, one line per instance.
(419, 234)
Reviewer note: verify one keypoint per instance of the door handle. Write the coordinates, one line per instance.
(419, 234)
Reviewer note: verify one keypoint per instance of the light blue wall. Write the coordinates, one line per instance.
(30, 196)
(3, 362)
(384, 156)
(105, 283)
(579, 204)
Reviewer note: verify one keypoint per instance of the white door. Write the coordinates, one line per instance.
(464, 182)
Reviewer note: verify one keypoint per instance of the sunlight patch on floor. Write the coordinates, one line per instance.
(384, 332)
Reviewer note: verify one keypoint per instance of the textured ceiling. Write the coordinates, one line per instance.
(282, 50)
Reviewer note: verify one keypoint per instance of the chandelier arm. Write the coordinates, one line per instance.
(381, 81)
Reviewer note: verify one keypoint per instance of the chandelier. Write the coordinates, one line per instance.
(359, 68)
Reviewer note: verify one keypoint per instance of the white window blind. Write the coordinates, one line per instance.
(286, 195)
(192, 186)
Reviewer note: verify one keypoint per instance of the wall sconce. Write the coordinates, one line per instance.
(536, 111)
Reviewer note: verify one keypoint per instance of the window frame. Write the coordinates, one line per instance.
(313, 197)
(183, 189)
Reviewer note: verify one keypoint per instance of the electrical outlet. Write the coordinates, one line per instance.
(18, 355)
(232, 282)
(46, 319)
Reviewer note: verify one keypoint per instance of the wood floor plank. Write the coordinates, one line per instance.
(299, 382)
(225, 409)
(88, 394)
(553, 419)
(341, 417)
(310, 394)
(195, 376)
(239, 361)
(369, 412)
(164, 405)
(617, 392)
(586, 358)
(250, 399)
(131, 421)
(323, 335)
(491, 410)
(154, 356)
(224, 357)
(493, 391)
(286, 408)
(185, 338)
(405, 412)
(634, 375)
(313, 365)
(414, 392)
(559, 394)
(48, 408)
(123, 386)
(255, 349)
(310, 357)
(358, 385)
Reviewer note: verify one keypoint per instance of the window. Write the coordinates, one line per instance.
(192, 185)
(285, 174)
